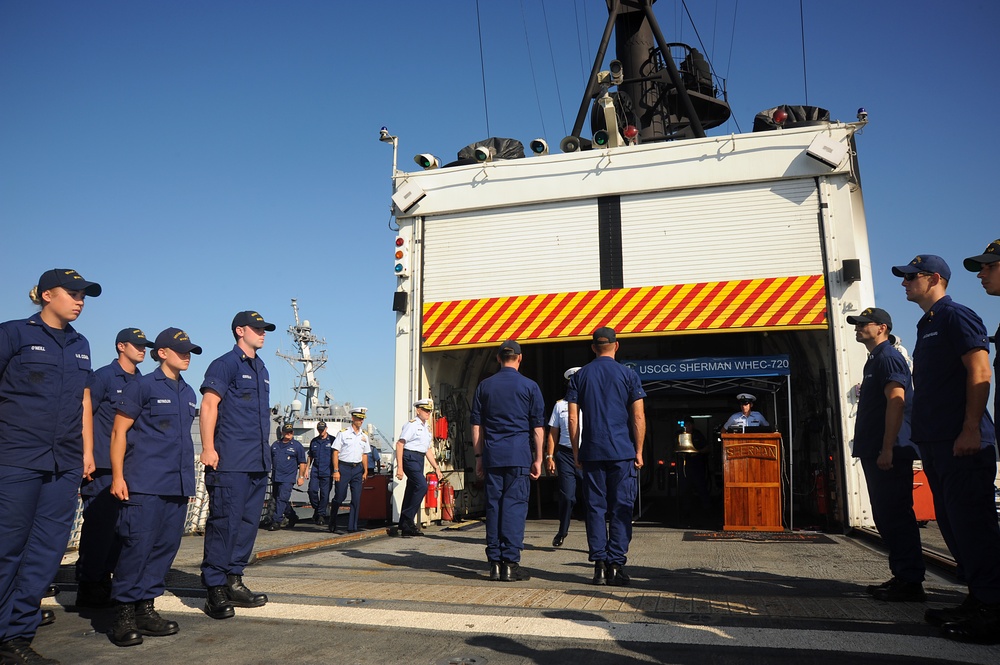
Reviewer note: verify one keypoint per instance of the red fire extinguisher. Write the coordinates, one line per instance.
(441, 428)
(431, 500)
(447, 501)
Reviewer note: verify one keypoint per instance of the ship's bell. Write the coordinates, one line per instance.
(684, 444)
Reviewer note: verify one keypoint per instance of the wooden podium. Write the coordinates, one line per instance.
(752, 481)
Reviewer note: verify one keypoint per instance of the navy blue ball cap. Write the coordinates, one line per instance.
(990, 255)
(132, 336)
(252, 319)
(68, 279)
(872, 315)
(511, 345)
(605, 335)
(929, 263)
(177, 340)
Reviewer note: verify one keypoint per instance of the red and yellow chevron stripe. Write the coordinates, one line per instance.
(771, 303)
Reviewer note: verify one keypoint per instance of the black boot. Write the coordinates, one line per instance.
(94, 595)
(617, 576)
(599, 573)
(494, 571)
(124, 632)
(217, 603)
(512, 572)
(240, 596)
(18, 650)
(149, 621)
(48, 617)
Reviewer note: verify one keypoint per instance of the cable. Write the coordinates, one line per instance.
(802, 25)
(482, 66)
(555, 74)
(531, 65)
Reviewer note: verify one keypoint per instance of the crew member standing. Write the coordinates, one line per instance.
(882, 443)
(152, 467)
(288, 468)
(508, 418)
(412, 448)
(746, 416)
(350, 468)
(235, 437)
(98, 549)
(321, 474)
(610, 396)
(559, 461)
(949, 423)
(45, 423)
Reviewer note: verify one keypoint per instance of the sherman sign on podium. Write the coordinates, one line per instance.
(752, 481)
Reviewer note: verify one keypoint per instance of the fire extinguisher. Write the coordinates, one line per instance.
(431, 500)
(441, 428)
(447, 501)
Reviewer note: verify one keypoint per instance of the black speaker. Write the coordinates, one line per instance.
(850, 272)
(399, 301)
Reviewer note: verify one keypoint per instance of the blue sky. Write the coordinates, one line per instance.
(199, 158)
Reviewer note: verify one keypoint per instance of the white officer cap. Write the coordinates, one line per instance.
(427, 404)
(570, 372)
(359, 412)
(743, 397)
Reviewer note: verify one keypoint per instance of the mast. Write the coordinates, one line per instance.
(305, 364)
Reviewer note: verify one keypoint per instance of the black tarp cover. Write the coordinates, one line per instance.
(797, 116)
(502, 149)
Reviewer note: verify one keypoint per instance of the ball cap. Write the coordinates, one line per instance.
(287, 428)
(321, 426)
(872, 315)
(132, 336)
(990, 255)
(605, 335)
(570, 372)
(425, 404)
(176, 339)
(359, 412)
(68, 279)
(929, 263)
(252, 319)
(511, 345)
(746, 397)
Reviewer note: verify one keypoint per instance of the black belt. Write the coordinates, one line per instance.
(350, 464)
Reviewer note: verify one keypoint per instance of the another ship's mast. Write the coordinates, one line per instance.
(304, 364)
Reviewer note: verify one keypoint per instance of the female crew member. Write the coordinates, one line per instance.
(44, 419)
(152, 473)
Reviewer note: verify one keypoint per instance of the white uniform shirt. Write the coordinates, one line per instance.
(415, 436)
(560, 419)
(351, 445)
(755, 419)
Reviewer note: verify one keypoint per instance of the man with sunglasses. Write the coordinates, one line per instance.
(882, 444)
(951, 385)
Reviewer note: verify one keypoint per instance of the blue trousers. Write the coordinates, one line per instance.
(609, 491)
(319, 492)
(282, 493)
(507, 490)
(568, 476)
(150, 528)
(891, 493)
(966, 513)
(416, 487)
(351, 477)
(236, 500)
(36, 513)
(99, 545)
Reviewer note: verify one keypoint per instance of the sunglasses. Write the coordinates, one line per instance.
(910, 276)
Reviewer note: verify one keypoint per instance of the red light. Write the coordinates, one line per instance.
(673, 464)
(780, 116)
(631, 131)
(660, 462)
(399, 242)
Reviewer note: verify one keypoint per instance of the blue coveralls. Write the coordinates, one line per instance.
(566, 472)
(237, 486)
(604, 391)
(321, 478)
(99, 544)
(286, 456)
(962, 486)
(891, 492)
(43, 373)
(508, 407)
(159, 474)
(351, 447)
(416, 441)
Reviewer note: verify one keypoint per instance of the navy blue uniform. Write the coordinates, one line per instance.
(962, 486)
(321, 478)
(891, 492)
(98, 543)
(508, 407)
(286, 456)
(159, 473)
(604, 391)
(43, 373)
(236, 487)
